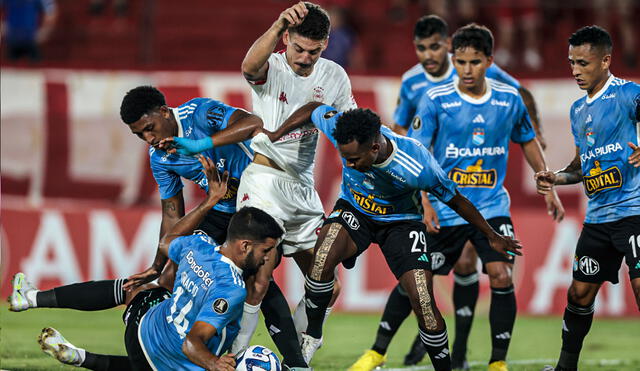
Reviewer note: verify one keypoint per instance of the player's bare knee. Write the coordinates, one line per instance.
(465, 267)
(582, 294)
(500, 278)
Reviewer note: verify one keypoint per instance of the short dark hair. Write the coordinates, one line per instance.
(361, 125)
(316, 23)
(429, 25)
(597, 36)
(139, 101)
(476, 36)
(251, 223)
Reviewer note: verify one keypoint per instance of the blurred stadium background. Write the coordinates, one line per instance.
(78, 198)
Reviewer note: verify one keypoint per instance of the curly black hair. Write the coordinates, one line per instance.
(361, 125)
(429, 25)
(476, 36)
(316, 23)
(139, 101)
(597, 36)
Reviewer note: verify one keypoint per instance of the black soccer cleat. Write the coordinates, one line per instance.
(416, 354)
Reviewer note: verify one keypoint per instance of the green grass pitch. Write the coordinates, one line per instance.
(611, 345)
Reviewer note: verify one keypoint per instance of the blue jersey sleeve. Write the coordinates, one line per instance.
(223, 304)
(630, 101)
(214, 115)
(325, 118)
(433, 179)
(497, 73)
(176, 246)
(169, 183)
(522, 131)
(405, 109)
(425, 124)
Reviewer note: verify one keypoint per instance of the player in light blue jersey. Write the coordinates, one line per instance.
(196, 326)
(606, 129)
(380, 201)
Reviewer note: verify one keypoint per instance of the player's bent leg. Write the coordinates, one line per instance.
(433, 331)
(502, 313)
(465, 296)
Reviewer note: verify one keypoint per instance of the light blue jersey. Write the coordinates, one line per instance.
(470, 139)
(389, 191)
(601, 127)
(208, 288)
(199, 118)
(416, 81)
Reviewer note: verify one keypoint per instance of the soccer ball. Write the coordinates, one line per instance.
(257, 358)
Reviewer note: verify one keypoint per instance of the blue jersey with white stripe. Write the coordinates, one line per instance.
(208, 288)
(199, 118)
(416, 81)
(389, 191)
(470, 140)
(601, 127)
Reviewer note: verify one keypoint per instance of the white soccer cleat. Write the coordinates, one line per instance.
(54, 344)
(18, 300)
(309, 346)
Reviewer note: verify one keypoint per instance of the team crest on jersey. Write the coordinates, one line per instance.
(329, 114)
(318, 94)
(478, 136)
(591, 136)
(474, 176)
(599, 180)
(232, 189)
(369, 204)
(220, 306)
(416, 123)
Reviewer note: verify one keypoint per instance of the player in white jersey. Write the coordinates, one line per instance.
(280, 180)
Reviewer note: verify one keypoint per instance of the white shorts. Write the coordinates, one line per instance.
(296, 206)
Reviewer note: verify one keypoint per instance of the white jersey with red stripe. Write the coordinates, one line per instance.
(281, 94)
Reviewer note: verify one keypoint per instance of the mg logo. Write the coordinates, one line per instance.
(351, 220)
(589, 266)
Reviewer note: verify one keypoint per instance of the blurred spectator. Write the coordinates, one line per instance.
(399, 8)
(96, 7)
(624, 12)
(26, 25)
(343, 45)
(527, 11)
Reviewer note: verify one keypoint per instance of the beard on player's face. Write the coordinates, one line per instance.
(432, 53)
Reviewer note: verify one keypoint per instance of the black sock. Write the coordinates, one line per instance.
(318, 295)
(91, 295)
(502, 316)
(465, 297)
(279, 323)
(575, 327)
(103, 362)
(397, 309)
(437, 345)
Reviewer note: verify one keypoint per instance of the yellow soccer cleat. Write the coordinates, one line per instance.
(498, 366)
(368, 361)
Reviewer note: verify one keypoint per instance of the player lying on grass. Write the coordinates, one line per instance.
(382, 177)
(197, 325)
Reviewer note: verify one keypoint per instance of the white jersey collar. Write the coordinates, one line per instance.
(601, 91)
(470, 99)
(386, 162)
(176, 115)
(229, 261)
(446, 75)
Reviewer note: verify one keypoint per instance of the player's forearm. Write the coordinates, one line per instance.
(571, 174)
(189, 222)
(242, 126)
(468, 212)
(296, 120)
(258, 55)
(533, 153)
(198, 353)
(532, 109)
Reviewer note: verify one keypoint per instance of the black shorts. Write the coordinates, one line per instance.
(137, 308)
(446, 246)
(403, 242)
(601, 248)
(215, 225)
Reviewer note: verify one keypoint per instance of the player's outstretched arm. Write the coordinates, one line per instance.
(254, 65)
(532, 109)
(502, 244)
(297, 119)
(195, 348)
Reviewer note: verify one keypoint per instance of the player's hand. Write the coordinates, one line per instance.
(505, 245)
(138, 279)
(217, 184)
(184, 146)
(554, 206)
(430, 219)
(273, 136)
(544, 181)
(226, 362)
(634, 159)
(293, 16)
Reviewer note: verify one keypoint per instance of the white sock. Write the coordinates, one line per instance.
(31, 298)
(300, 319)
(248, 326)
